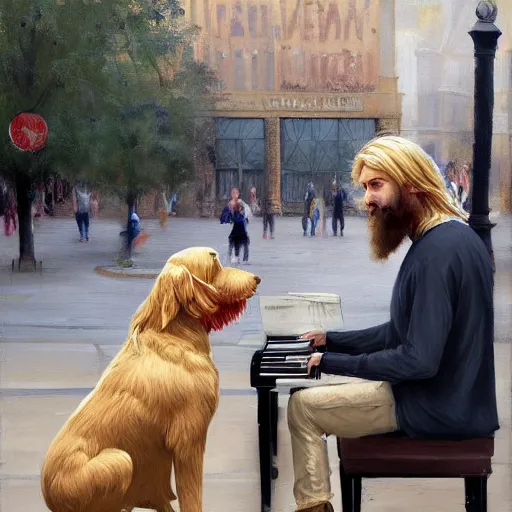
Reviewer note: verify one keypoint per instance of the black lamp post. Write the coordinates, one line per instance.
(485, 36)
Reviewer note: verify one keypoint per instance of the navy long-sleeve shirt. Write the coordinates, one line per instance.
(437, 349)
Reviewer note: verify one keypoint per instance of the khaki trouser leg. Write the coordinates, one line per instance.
(345, 410)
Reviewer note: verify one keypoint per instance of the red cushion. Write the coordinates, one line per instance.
(396, 455)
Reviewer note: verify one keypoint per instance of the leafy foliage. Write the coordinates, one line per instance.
(116, 83)
(114, 80)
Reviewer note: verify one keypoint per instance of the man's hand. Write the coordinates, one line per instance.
(318, 337)
(314, 360)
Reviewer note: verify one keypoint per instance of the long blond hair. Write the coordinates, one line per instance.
(407, 163)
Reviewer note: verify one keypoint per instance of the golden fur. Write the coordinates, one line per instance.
(152, 407)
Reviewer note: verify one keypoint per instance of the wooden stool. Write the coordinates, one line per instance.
(397, 456)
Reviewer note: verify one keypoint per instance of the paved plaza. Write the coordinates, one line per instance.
(61, 327)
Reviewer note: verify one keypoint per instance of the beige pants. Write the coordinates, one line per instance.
(344, 410)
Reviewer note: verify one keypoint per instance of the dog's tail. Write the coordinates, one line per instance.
(90, 484)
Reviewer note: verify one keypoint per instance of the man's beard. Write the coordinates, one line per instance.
(390, 225)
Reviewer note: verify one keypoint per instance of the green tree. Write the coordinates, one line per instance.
(146, 142)
(91, 69)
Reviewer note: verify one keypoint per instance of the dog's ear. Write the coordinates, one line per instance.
(179, 288)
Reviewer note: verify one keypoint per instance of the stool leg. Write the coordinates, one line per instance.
(476, 494)
(347, 497)
(357, 485)
(350, 492)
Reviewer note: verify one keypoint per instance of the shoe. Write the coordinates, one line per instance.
(234, 259)
(323, 507)
(272, 237)
(81, 239)
(265, 236)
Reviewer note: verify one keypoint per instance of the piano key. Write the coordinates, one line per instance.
(298, 375)
(284, 357)
(285, 342)
(292, 352)
(287, 364)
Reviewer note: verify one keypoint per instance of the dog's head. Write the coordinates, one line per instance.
(194, 282)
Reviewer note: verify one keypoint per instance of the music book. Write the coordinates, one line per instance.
(295, 313)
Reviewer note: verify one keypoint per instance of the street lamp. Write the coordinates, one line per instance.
(485, 36)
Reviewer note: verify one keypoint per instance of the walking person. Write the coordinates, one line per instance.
(81, 207)
(308, 199)
(339, 196)
(162, 207)
(314, 214)
(465, 183)
(269, 216)
(234, 213)
(10, 212)
(428, 371)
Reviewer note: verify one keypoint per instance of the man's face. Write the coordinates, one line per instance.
(392, 211)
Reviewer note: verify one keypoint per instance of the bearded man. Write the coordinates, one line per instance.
(429, 370)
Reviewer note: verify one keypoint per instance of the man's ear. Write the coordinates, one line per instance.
(179, 288)
(411, 190)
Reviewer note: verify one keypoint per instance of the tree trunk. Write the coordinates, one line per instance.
(24, 201)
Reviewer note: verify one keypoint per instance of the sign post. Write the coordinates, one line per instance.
(28, 132)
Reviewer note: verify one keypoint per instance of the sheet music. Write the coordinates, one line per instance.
(296, 313)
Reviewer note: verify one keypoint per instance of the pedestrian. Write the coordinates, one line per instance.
(314, 214)
(81, 207)
(322, 210)
(234, 213)
(11, 212)
(308, 199)
(465, 183)
(172, 204)
(429, 371)
(339, 197)
(269, 215)
(162, 207)
(254, 204)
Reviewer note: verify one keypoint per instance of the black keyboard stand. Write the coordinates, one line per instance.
(267, 434)
(268, 410)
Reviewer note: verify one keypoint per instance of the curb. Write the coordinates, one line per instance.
(117, 272)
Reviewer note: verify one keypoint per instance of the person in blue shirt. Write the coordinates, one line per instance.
(428, 371)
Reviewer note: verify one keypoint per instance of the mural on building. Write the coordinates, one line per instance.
(291, 45)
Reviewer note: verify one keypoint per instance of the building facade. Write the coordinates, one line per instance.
(435, 63)
(303, 84)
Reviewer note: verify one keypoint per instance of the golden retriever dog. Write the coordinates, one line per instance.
(152, 407)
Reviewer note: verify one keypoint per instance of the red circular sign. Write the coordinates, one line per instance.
(28, 132)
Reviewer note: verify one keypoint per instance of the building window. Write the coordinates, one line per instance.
(319, 150)
(240, 156)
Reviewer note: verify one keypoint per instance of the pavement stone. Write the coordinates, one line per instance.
(60, 328)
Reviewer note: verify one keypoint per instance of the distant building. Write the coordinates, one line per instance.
(304, 85)
(435, 65)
